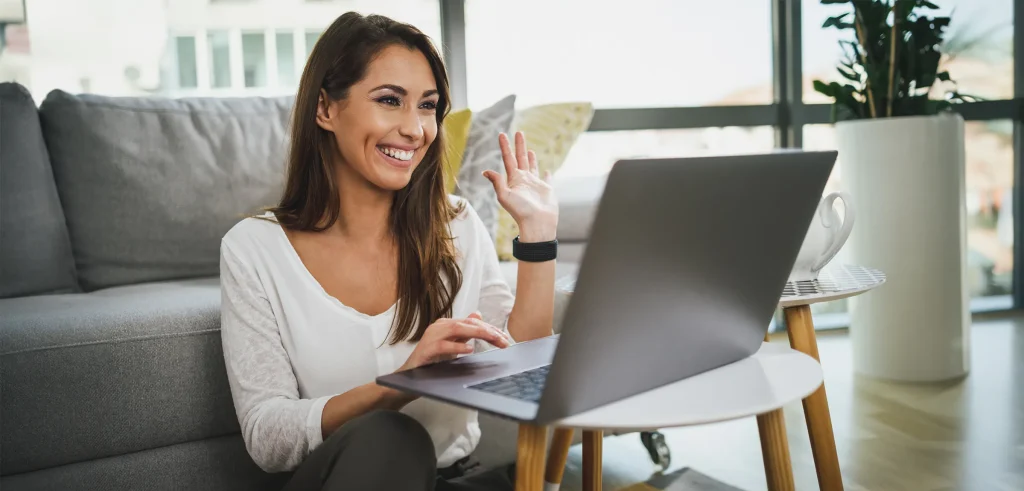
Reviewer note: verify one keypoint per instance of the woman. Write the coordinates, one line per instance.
(366, 267)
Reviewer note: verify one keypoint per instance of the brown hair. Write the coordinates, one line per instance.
(420, 212)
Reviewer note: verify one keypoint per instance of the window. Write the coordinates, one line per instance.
(254, 59)
(647, 53)
(220, 58)
(989, 187)
(311, 37)
(595, 152)
(177, 48)
(979, 40)
(286, 72)
(186, 50)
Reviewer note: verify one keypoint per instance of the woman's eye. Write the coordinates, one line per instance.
(429, 105)
(390, 100)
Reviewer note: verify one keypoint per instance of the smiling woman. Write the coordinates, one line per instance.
(366, 266)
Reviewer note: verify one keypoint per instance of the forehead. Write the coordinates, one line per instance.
(403, 66)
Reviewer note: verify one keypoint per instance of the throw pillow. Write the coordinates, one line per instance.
(150, 185)
(550, 131)
(482, 153)
(456, 132)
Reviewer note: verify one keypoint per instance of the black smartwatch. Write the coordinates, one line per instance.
(534, 252)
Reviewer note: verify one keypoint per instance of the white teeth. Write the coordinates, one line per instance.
(396, 153)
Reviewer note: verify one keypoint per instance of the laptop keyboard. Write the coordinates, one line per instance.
(526, 385)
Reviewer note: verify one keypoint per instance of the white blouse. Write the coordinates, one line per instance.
(289, 346)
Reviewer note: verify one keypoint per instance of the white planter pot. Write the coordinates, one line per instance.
(906, 176)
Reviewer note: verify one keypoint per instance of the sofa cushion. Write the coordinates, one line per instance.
(482, 153)
(120, 370)
(150, 185)
(216, 464)
(35, 254)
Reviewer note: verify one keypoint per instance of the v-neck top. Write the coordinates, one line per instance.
(289, 346)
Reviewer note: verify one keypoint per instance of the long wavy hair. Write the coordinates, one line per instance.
(420, 212)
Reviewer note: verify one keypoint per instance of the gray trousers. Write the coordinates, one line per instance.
(386, 450)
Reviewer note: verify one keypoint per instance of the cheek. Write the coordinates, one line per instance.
(430, 131)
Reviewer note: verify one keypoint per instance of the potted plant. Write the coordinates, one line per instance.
(902, 159)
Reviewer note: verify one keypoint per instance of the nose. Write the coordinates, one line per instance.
(411, 125)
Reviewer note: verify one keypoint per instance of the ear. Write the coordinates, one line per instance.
(323, 111)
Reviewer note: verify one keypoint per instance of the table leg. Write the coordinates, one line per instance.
(592, 441)
(557, 455)
(530, 457)
(775, 451)
(819, 423)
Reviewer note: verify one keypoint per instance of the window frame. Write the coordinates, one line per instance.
(787, 113)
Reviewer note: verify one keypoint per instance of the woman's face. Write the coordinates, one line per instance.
(388, 121)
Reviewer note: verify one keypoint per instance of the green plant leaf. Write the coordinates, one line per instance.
(927, 4)
(838, 22)
(832, 2)
(848, 74)
(824, 88)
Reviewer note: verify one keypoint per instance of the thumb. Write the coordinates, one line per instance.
(476, 315)
(500, 186)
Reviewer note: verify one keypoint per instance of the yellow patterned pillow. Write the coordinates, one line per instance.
(456, 132)
(550, 131)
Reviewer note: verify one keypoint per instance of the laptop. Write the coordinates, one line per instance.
(682, 273)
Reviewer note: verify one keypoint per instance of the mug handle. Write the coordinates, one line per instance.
(827, 217)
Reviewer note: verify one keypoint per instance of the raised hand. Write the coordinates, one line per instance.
(523, 193)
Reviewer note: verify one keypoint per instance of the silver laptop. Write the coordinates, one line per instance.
(682, 273)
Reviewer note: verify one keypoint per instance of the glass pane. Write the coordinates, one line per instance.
(254, 59)
(989, 190)
(644, 53)
(187, 76)
(595, 152)
(129, 48)
(979, 43)
(311, 37)
(286, 72)
(220, 59)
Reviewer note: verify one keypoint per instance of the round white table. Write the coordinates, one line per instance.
(833, 283)
(759, 385)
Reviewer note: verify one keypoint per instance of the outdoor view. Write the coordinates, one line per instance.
(646, 53)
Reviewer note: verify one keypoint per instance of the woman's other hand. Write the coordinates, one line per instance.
(446, 339)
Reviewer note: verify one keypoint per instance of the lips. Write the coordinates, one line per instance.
(396, 157)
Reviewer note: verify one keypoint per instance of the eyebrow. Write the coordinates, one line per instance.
(401, 90)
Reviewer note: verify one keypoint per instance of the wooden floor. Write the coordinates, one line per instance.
(963, 435)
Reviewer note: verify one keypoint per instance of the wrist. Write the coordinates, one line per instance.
(538, 230)
(394, 399)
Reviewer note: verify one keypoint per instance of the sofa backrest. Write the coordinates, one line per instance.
(35, 253)
(149, 185)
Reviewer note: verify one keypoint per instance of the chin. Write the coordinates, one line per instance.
(394, 180)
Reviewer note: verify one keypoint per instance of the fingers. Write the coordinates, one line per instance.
(522, 158)
(477, 329)
(499, 183)
(476, 315)
(507, 156)
(449, 348)
(533, 162)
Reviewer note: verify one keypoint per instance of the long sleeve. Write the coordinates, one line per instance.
(496, 299)
(278, 427)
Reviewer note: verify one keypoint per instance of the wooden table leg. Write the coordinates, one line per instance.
(557, 455)
(775, 451)
(592, 442)
(530, 458)
(819, 422)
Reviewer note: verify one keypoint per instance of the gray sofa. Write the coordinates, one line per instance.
(111, 214)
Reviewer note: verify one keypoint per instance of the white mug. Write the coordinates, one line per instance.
(825, 237)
